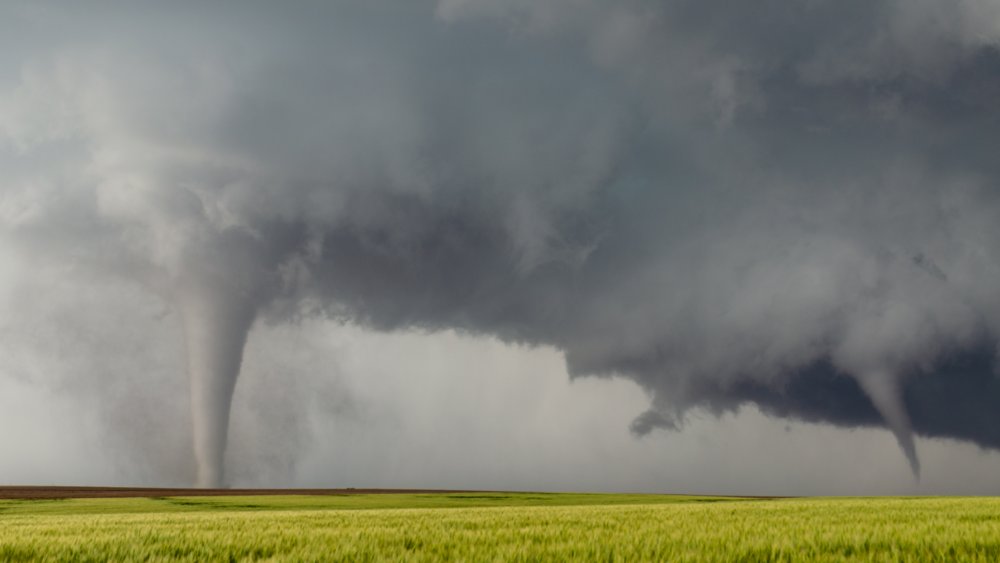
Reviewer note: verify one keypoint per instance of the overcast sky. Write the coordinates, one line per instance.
(646, 245)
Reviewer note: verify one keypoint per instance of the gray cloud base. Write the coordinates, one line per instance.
(791, 205)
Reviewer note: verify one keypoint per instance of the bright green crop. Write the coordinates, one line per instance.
(501, 527)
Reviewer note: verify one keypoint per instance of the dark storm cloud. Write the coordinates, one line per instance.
(790, 204)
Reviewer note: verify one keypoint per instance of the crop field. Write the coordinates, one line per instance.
(500, 527)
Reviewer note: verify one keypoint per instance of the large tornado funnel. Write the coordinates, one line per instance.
(216, 322)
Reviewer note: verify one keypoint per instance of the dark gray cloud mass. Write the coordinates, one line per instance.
(789, 204)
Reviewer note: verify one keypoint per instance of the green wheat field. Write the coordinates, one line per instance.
(500, 527)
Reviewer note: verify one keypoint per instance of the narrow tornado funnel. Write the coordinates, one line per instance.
(885, 394)
(216, 321)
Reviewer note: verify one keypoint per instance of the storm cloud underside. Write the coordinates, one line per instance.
(786, 204)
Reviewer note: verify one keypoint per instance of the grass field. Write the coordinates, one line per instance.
(500, 527)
